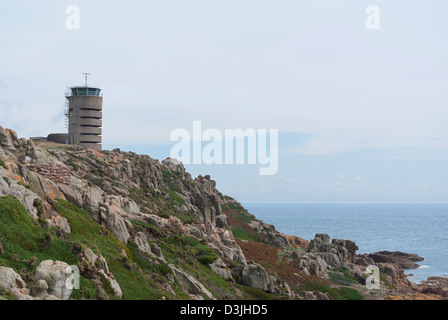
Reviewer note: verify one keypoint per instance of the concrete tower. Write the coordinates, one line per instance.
(85, 105)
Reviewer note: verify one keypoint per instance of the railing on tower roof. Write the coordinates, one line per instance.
(84, 91)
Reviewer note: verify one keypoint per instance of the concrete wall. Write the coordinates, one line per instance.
(85, 116)
(58, 138)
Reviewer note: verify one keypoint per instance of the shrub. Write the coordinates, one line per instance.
(207, 259)
(163, 269)
(190, 241)
(39, 206)
(2, 164)
(203, 249)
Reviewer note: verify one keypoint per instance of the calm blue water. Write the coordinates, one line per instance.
(411, 228)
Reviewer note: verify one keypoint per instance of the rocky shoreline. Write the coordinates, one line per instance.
(405, 260)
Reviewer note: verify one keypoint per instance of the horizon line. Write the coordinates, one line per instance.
(281, 202)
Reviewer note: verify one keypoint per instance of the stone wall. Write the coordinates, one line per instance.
(57, 174)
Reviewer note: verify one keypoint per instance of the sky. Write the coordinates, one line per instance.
(361, 114)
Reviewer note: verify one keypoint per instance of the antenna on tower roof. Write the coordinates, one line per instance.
(86, 74)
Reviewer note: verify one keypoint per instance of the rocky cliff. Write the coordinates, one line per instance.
(138, 228)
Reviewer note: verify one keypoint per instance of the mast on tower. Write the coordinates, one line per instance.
(86, 74)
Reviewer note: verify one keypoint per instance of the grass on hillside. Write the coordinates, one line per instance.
(23, 238)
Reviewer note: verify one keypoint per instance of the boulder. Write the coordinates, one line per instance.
(56, 274)
(40, 289)
(255, 276)
(11, 279)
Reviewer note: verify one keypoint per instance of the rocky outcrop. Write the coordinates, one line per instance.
(155, 249)
(340, 252)
(313, 264)
(57, 275)
(114, 221)
(97, 267)
(142, 243)
(405, 260)
(297, 242)
(435, 285)
(11, 279)
(310, 295)
(219, 267)
(189, 283)
(60, 222)
(255, 276)
(9, 185)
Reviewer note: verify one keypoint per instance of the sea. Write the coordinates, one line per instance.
(410, 228)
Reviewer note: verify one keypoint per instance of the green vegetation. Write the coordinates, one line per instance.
(190, 241)
(153, 229)
(138, 195)
(39, 206)
(344, 279)
(207, 259)
(255, 294)
(166, 175)
(350, 293)
(243, 234)
(176, 199)
(6, 295)
(72, 163)
(17, 229)
(239, 220)
(88, 233)
(386, 283)
(23, 238)
(20, 183)
(2, 164)
(205, 254)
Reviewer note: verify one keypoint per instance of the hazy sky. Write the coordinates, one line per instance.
(362, 114)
